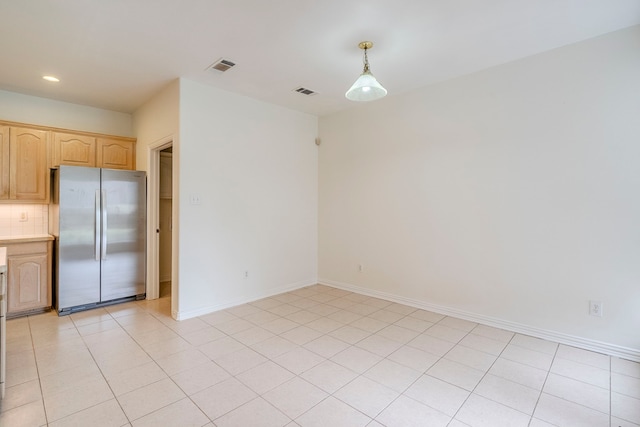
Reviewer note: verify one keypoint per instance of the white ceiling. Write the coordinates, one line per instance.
(116, 54)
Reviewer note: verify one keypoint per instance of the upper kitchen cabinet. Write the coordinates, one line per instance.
(28, 175)
(116, 153)
(74, 150)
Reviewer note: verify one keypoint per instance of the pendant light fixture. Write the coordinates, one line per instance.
(366, 88)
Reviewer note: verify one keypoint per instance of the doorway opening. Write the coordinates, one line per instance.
(164, 222)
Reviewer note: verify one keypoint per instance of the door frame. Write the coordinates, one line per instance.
(153, 222)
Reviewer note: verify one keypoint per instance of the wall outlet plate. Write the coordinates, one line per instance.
(595, 308)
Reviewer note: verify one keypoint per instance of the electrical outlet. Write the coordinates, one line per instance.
(246, 274)
(24, 216)
(595, 308)
(360, 268)
(195, 199)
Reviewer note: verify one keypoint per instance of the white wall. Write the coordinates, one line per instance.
(510, 195)
(254, 167)
(21, 108)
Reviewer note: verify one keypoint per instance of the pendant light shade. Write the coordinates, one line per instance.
(366, 88)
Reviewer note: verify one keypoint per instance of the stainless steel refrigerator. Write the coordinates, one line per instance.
(98, 217)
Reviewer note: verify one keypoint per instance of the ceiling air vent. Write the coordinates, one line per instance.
(222, 65)
(305, 91)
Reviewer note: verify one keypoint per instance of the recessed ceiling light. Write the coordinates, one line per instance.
(51, 78)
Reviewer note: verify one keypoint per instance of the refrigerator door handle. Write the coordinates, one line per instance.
(97, 226)
(104, 224)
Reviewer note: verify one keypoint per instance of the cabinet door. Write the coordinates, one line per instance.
(27, 284)
(4, 162)
(74, 150)
(29, 173)
(116, 154)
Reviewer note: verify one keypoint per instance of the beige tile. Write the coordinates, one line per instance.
(261, 317)
(106, 414)
(323, 309)
(386, 316)
(183, 413)
(329, 376)
(379, 345)
(253, 335)
(301, 335)
(578, 371)
(150, 398)
(493, 333)
(363, 309)
(299, 360)
(234, 326)
(218, 317)
(483, 343)
(133, 378)
(414, 324)
(221, 347)
(203, 336)
(84, 395)
(324, 325)
(625, 367)
(64, 381)
(519, 373)
(470, 357)
(240, 361)
(430, 344)
(326, 346)
(367, 396)
(349, 334)
(96, 315)
(427, 316)
(480, 412)
(279, 325)
(437, 394)
(618, 422)
(456, 373)
(265, 377)
(392, 375)
(578, 392)
(21, 368)
(413, 358)
(167, 347)
(266, 303)
(535, 344)
(405, 310)
(446, 333)
(31, 414)
(560, 412)
(200, 377)
(94, 328)
(303, 317)
(408, 412)
(356, 359)
(257, 412)
(398, 333)
(295, 397)
(221, 398)
(527, 357)
(454, 322)
(626, 385)
(274, 347)
(368, 324)
(344, 316)
(51, 360)
(584, 357)
(333, 412)
(625, 407)
(243, 310)
(21, 394)
(508, 393)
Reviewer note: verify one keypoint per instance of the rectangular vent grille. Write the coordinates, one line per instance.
(222, 65)
(305, 91)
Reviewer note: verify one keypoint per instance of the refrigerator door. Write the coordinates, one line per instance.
(124, 195)
(77, 191)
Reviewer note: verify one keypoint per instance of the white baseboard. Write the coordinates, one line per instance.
(559, 337)
(183, 315)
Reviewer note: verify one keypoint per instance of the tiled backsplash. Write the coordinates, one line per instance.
(23, 220)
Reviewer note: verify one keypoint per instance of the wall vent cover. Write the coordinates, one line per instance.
(222, 65)
(305, 91)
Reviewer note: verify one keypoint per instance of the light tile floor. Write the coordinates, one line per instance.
(317, 356)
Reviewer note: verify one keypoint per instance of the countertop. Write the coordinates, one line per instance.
(5, 240)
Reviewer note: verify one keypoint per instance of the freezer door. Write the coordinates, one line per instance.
(123, 248)
(77, 256)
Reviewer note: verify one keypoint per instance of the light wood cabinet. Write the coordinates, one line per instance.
(28, 277)
(75, 150)
(4, 162)
(28, 174)
(116, 153)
